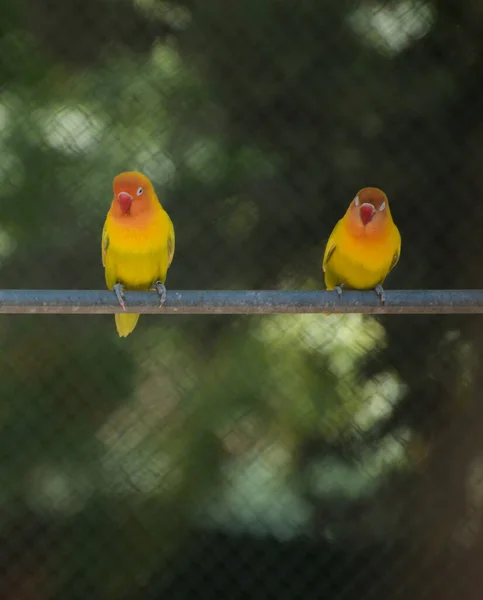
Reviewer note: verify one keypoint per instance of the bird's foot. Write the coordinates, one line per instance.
(338, 289)
(119, 291)
(161, 289)
(380, 292)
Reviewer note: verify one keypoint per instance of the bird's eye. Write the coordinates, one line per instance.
(383, 206)
(140, 191)
(356, 200)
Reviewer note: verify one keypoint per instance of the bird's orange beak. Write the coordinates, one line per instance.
(367, 212)
(125, 202)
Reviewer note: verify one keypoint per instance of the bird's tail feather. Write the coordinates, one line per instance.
(125, 323)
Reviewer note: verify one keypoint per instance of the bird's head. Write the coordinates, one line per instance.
(369, 211)
(133, 193)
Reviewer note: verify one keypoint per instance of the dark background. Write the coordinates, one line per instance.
(292, 457)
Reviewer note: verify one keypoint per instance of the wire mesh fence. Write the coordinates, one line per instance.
(244, 456)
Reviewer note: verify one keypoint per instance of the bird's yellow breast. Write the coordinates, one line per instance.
(361, 262)
(137, 252)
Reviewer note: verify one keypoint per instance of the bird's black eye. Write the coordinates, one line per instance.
(140, 191)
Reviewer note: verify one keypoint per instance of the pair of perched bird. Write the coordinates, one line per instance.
(138, 244)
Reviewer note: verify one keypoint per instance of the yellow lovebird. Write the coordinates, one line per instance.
(137, 243)
(364, 246)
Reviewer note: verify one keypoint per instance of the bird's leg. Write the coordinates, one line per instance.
(119, 291)
(338, 289)
(161, 289)
(380, 292)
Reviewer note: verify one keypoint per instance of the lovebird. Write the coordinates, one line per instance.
(364, 246)
(137, 243)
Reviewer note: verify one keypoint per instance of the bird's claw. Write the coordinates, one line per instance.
(161, 289)
(380, 292)
(338, 289)
(119, 291)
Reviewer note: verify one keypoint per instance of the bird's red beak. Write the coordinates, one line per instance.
(125, 202)
(367, 212)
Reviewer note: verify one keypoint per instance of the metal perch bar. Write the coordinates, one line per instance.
(231, 302)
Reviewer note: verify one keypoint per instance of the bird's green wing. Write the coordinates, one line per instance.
(330, 247)
(395, 258)
(104, 243)
(171, 243)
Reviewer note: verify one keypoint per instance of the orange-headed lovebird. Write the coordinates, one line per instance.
(364, 245)
(137, 243)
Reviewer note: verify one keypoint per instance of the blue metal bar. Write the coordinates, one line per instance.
(229, 302)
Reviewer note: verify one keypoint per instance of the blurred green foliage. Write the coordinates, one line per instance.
(257, 122)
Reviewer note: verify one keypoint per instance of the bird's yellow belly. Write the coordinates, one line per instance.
(357, 271)
(135, 271)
